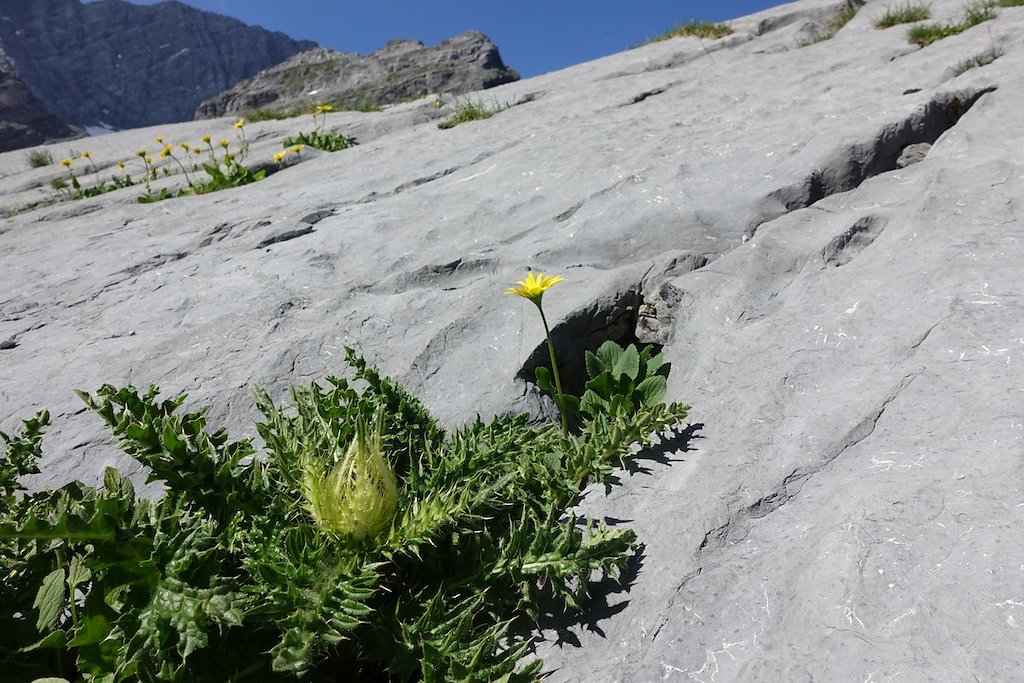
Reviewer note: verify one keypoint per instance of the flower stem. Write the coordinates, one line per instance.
(554, 370)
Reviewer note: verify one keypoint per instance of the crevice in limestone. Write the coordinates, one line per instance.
(637, 99)
(154, 262)
(842, 249)
(285, 236)
(609, 318)
(851, 166)
(737, 524)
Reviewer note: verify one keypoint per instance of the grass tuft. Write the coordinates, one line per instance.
(37, 158)
(974, 14)
(987, 57)
(903, 14)
(469, 111)
(693, 29)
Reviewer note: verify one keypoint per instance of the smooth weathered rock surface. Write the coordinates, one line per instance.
(399, 71)
(121, 65)
(848, 332)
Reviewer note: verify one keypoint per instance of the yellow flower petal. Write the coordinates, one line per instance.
(533, 288)
(160, 139)
(66, 163)
(239, 123)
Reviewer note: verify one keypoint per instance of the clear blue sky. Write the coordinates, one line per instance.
(534, 36)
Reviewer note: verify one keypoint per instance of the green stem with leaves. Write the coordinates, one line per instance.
(554, 370)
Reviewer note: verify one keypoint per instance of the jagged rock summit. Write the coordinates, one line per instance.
(399, 71)
(113, 63)
(847, 324)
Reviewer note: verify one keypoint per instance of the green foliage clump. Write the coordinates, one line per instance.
(974, 14)
(903, 14)
(850, 10)
(470, 110)
(694, 29)
(328, 141)
(38, 158)
(231, 576)
(268, 115)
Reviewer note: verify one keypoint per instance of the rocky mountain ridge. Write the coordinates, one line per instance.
(399, 71)
(24, 120)
(113, 63)
(826, 238)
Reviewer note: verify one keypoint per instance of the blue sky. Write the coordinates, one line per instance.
(534, 36)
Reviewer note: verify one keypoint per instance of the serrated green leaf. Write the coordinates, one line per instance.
(78, 574)
(627, 364)
(608, 354)
(655, 363)
(652, 390)
(593, 364)
(91, 630)
(50, 601)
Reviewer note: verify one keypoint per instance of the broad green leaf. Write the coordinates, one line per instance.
(655, 363)
(652, 390)
(50, 600)
(92, 629)
(593, 364)
(608, 354)
(628, 363)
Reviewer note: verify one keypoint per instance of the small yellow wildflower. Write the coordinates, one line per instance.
(86, 154)
(142, 153)
(120, 166)
(224, 144)
(323, 109)
(280, 155)
(533, 288)
(239, 123)
(197, 150)
(295, 149)
(160, 139)
(206, 138)
(185, 146)
(228, 158)
(66, 163)
(148, 160)
(166, 151)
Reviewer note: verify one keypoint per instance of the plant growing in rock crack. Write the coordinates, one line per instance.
(692, 29)
(366, 543)
(76, 190)
(906, 13)
(974, 14)
(38, 158)
(981, 59)
(330, 141)
(470, 110)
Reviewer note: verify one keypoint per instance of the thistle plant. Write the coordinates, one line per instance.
(532, 289)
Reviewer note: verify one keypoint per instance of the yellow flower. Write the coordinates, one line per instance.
(120, 166)
(280, 155)
(166, 151)
(197, 150)
(160, 139)
(185, 146)
(66, 163)
(206, 139)
(533, 288)
(148, 160)
(86, 154)
(142, 153)
(239, 123)
(228, 158)
(323, 109)
(296, 148)
(224, 144)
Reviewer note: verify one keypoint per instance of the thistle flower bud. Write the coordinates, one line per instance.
(355, 498)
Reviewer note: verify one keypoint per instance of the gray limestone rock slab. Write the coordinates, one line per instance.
(848, 332)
